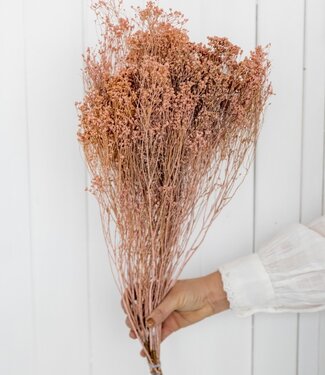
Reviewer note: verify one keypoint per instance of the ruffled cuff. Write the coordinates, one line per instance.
(246, 284)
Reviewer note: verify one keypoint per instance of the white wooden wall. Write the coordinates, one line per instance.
(59, 310)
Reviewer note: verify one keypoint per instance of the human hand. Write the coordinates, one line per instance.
(188, 301)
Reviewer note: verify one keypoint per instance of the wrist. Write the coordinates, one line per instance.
(216, 295)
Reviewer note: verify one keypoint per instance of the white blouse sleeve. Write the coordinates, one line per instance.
(287, 274)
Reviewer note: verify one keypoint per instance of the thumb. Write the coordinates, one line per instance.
(162, 311)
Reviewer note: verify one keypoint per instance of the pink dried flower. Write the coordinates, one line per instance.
(168, 128)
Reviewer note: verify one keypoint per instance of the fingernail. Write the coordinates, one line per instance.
(150, 322)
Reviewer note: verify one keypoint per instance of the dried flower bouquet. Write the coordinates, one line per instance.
(168, 128)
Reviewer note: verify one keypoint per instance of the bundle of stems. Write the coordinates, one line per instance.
(168, 128)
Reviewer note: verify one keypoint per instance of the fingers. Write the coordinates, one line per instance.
(132, 334)
(171, 324)
(165, 332)
(158, 315)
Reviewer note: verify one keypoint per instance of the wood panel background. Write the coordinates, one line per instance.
(59, 310)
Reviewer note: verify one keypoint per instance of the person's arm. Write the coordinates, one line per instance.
(287, 274)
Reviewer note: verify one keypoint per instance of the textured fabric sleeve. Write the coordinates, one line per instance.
(287, 274)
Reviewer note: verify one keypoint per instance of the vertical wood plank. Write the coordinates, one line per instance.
(16, 289)
(53, 48)
(312, 162)
(278, 169)
(313, 111)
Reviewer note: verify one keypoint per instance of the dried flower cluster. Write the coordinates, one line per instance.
(168, 128)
